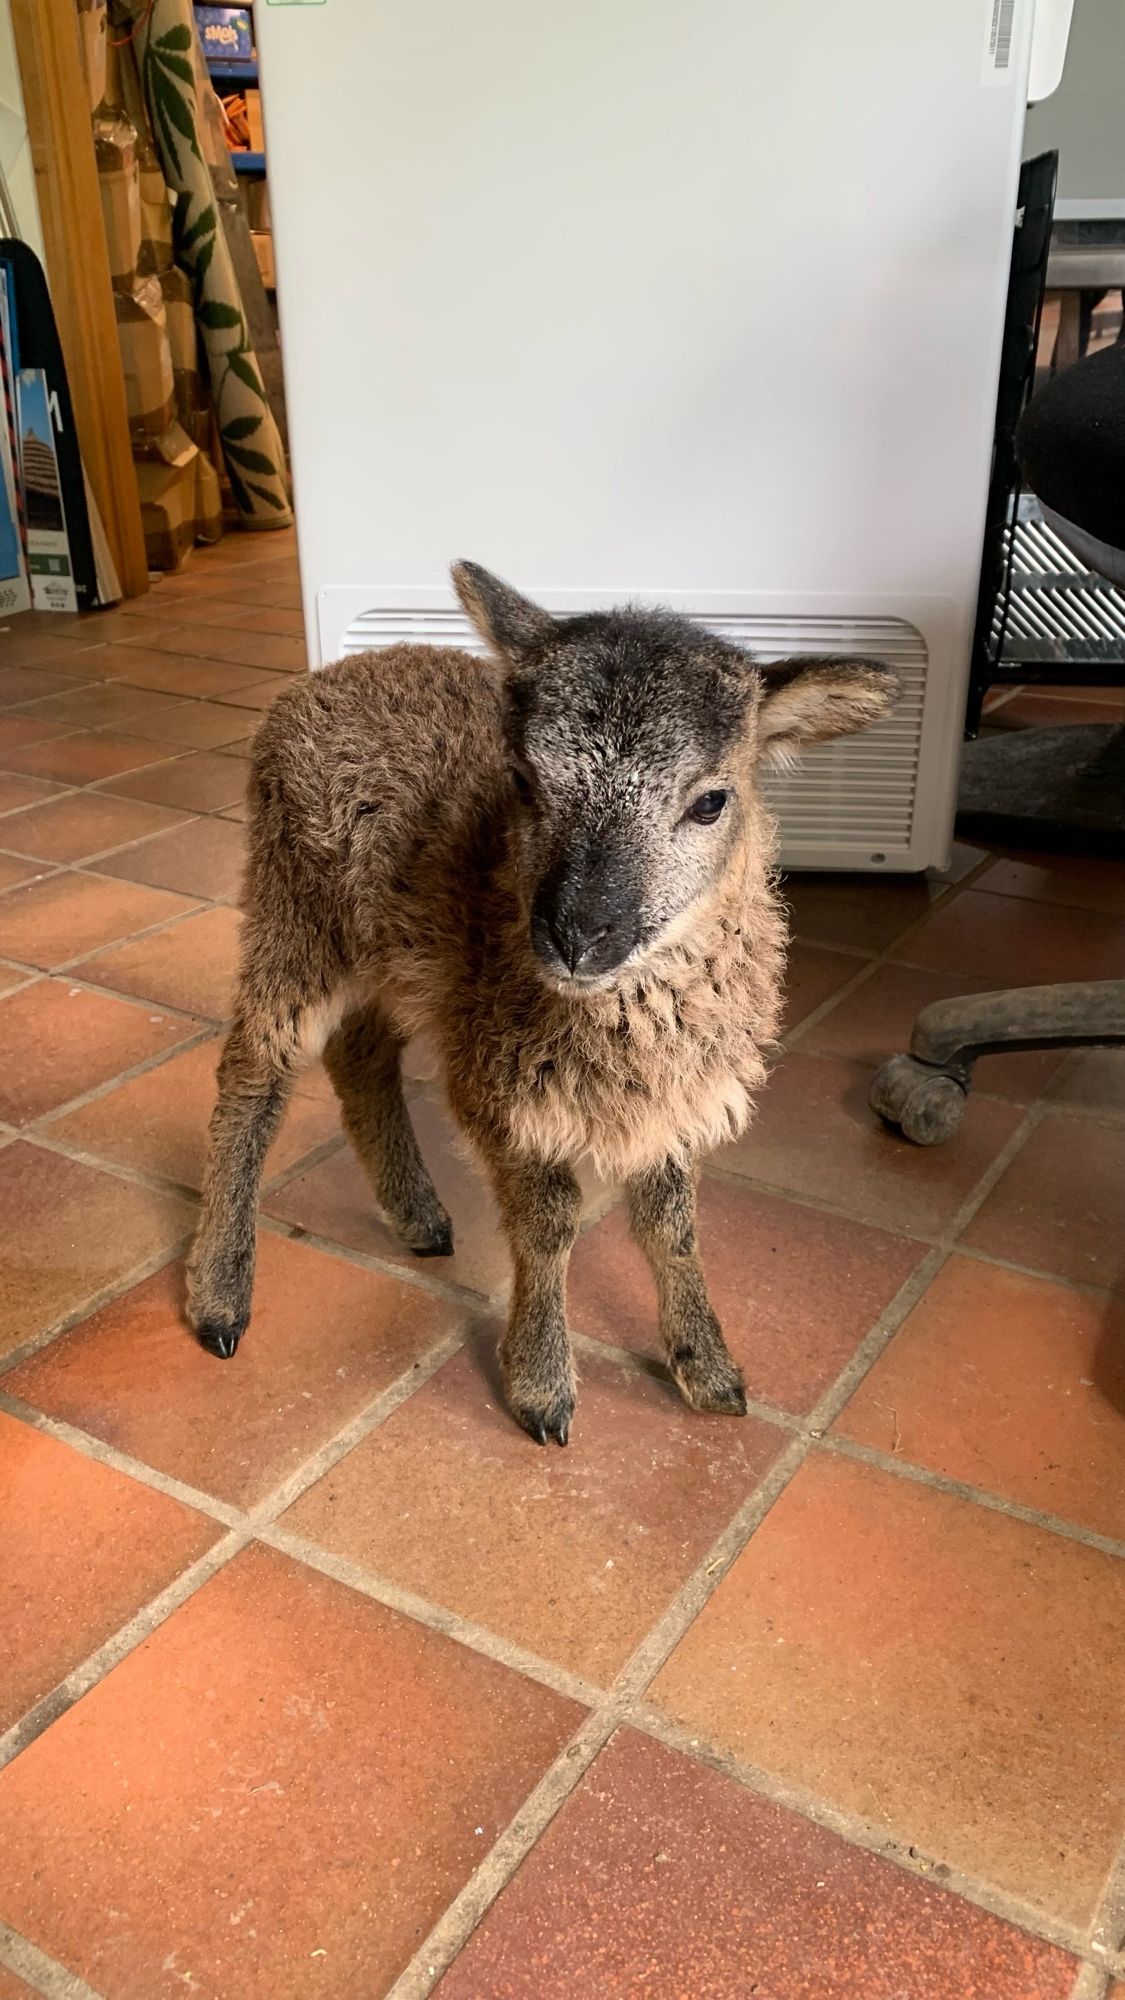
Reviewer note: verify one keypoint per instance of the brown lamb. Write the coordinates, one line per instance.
(558, 863)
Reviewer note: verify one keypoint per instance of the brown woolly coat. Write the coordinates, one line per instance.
(380, 868)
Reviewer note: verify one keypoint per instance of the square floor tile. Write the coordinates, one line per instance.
(69, 1232)
(58, 1041)
(796, 1289)
(877, 1021)
(932, 1666)
(213, 639)
(662, 1878)
(158, 1122)
(329, 1775)
(866, 912)
(20, 791)
(1057, 1206)
(89, 756)
(65, 916)
(83, 1548)
(199, 781)
(192, 965)
(1013, 1384)
(262, 618)
(324, 1340)
(23, 684)
(179, 673)
(572, 1553)
(115, 661)
(99, 705)
(205, 857)
(812, 975)
(12, 976)
(275, 593)
(12, 1988)
(31, 646)
(82, 823)
(1080, 880)
(1002, 939)
(815, 1135)
(19, 733)
(201, 725)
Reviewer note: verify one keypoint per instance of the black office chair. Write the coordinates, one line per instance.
(1071, 446)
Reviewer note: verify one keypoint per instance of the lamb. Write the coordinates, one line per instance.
(558, 863)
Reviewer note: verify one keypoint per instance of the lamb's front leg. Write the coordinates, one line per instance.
(662, 1211)
(540, 1207)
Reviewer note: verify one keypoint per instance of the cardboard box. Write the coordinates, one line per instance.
(263, 250)
(225, 33)
(254, 117)
(142, 334)
(181, 503)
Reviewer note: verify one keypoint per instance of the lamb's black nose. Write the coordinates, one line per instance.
(576, 940)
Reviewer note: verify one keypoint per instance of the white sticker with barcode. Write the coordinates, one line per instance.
(999, 32)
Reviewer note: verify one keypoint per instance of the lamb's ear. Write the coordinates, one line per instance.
(515, 628)
(812, 700)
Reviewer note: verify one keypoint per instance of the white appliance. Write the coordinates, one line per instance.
(634, 299)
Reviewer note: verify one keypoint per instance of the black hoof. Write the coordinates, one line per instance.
(218, 1339)
(440, 1244)
(545, 1424)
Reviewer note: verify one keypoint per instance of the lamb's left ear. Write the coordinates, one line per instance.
(812, 700)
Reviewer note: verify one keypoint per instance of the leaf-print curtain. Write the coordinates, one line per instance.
(173, 75)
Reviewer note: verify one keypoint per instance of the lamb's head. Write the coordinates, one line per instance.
(634, 739)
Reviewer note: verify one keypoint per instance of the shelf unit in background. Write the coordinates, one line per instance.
(240, 73)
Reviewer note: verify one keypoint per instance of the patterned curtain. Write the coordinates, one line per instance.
(177, 91)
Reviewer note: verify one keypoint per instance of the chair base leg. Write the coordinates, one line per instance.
(924, 1093)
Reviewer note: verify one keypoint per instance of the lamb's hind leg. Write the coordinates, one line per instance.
(364, 1060)
(255, 1079)
(662, 1210)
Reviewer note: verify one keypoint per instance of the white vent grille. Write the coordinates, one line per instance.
(847, 804)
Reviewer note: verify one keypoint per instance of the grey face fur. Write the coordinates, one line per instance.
(633, 737)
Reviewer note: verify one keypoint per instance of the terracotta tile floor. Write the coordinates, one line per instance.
(318, 1678)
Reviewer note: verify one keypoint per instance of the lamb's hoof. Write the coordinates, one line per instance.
(711, 1384)
(552, 1422)
(440, 1244)
(220, 1338)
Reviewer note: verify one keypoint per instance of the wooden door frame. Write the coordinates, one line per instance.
(66, 181)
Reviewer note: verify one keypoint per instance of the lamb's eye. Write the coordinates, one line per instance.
(707, 807)
(523, 787)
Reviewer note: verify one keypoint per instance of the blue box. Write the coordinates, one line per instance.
(225, 33)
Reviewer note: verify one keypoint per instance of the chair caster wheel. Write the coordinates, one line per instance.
(926, 1105)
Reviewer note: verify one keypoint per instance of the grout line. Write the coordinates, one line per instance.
(94, 1302)
(105, 1657)
(453, 1929)
(116, 993)
(157, 1060)
(960, 1489)
(92, 1446)
(42, 1974)
(791, 1039)
(436, 1617)
(1107, 1932)
(857, 1831)
(119, 1170)
(1091, 1983)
